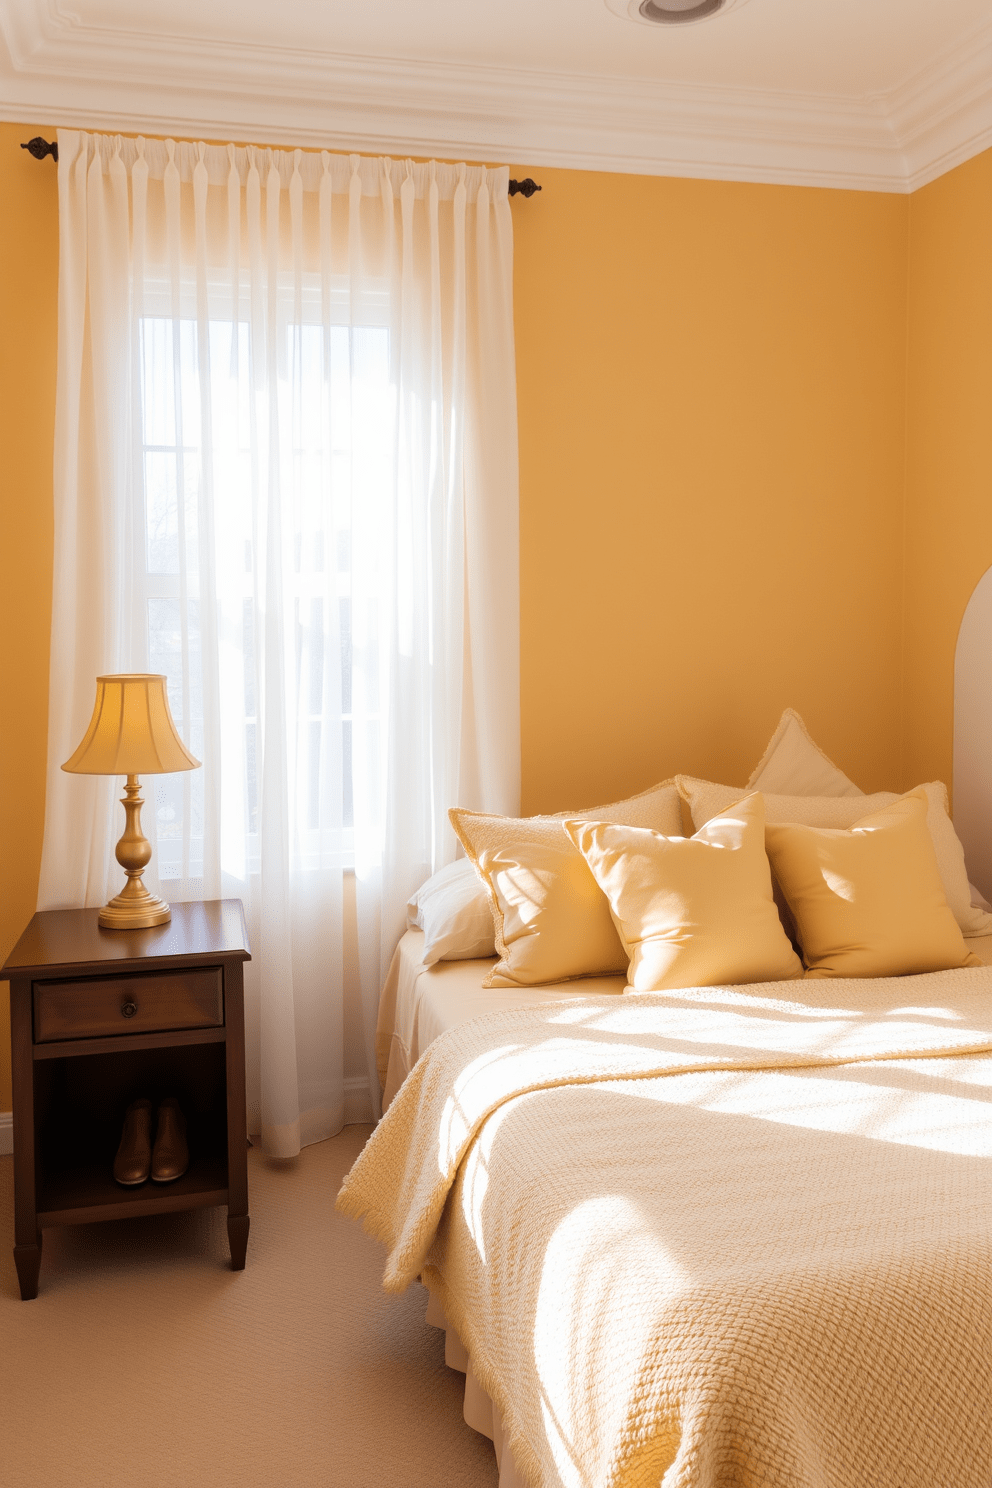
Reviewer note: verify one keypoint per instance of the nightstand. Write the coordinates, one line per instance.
(100, 1017)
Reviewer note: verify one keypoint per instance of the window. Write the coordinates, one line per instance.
(288, 561)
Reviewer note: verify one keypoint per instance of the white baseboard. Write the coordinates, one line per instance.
(6, 1132)
(357, 1100)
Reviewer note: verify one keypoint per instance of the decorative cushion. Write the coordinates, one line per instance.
(692, 912)
(452, 909)
(868, 902)
(705, 799)
(793, 765)
(552, 922)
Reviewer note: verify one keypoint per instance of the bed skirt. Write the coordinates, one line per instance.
(478, 1410)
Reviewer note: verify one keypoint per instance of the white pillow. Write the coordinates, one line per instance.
(452, 909)
(793, 765)
(706, 800)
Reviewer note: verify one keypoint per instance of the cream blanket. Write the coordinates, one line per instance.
(721, 1237)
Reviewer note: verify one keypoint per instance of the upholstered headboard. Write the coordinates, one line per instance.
(973, 735)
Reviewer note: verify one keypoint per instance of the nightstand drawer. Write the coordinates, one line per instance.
(100, 1006)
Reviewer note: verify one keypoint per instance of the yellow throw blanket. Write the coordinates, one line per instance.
(670, 1267)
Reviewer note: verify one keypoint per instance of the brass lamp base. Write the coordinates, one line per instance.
(134, 908)
(132, 912)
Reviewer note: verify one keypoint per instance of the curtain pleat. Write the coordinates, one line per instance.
(285, 475)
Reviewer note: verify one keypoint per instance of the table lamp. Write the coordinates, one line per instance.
(132, 733)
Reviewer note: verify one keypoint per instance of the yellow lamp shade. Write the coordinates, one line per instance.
(131, 731)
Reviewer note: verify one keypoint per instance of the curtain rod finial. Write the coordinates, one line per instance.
(39, 148)
(526, 188)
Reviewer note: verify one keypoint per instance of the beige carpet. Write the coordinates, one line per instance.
(145, 1362)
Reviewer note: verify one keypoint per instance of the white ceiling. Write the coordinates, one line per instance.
(879, 94)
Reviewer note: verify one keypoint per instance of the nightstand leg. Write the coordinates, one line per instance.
(237, 1236)
(27, 1259)
(237, 1135)
(27, 1232)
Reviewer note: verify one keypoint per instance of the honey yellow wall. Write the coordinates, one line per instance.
(711, 391)
(712, 395)
(949, 447)
(28, 307)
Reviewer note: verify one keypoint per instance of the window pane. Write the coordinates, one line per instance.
(158, 383)
(273, 515)
(161, 514)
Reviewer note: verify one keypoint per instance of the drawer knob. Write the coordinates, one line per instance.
(128, 1009)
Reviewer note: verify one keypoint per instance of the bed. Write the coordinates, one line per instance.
(886, 1239)
(720, 1235)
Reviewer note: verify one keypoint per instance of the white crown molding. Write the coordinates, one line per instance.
(943, 115)
(66, 74)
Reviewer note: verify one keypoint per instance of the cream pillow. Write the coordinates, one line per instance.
(452, 909)
(705, 799)
(551, 920)
(793, 765)
(692, 912)
(868, 902)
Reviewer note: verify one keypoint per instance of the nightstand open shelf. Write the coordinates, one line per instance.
(73, 985)
(85, 1194)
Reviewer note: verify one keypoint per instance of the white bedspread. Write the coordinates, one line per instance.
(732, 1237)
(420, 1002)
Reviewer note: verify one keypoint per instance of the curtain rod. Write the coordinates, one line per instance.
(39, 148)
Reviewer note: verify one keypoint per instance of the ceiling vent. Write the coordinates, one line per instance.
(671, 12)
(678, 12)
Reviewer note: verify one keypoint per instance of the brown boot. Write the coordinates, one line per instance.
(134, 1155)
(170, 1157)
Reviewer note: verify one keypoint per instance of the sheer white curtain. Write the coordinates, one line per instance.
(285, 476)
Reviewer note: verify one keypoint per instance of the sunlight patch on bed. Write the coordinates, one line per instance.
(454, 1125)
(617, 1019)
(631, 1007)
(966, 1069)
(600, 1264)
(475, 1175)
(926, 1012)
(940, 1122)
(705, 1038)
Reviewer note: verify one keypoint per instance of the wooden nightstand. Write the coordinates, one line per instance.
(101, 1017)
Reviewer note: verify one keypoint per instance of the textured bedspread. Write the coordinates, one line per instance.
(725, 1237)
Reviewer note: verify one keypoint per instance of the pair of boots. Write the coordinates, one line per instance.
(136, 1157)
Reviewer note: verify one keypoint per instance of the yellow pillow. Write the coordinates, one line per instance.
(868, 902)
(705, 799)
(692, 912)
(550, 918)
